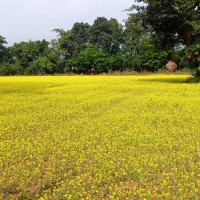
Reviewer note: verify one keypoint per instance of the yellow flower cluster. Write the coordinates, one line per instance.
(99, 137)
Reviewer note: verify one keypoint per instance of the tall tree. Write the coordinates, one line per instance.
(91, 60)
(73, 41)
(3, 49)
(25, 53)
(35, 57)
(79, 34)
(64, 43)
(173, 21)
(106, 34)
(117, 35)
(141, 50)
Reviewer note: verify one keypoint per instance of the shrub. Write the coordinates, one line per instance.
(11, 69)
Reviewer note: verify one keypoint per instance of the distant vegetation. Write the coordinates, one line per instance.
(153, 34)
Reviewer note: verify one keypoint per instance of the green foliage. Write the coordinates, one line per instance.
(44, 65)
(159, 31)
(102, 62)
(91, 60)
(142, 51)
(106, 34)
(3, 50)
(31, 70)
(34, 57)
(80, 36)
(64, 43)
(73, 41)
(25, 53)
(149, 58)
(57, 57)
(196, 58)
(173, 22)
(195, 79)
(118, 63)
(11, 69)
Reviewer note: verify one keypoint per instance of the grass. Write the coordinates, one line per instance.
(99, 137)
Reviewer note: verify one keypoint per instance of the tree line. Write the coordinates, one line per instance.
(155, 32)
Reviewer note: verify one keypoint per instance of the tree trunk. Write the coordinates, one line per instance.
(189, 41)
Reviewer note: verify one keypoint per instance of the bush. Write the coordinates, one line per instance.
(91, 60)
(31, 70)
(44, 65)
(148, 57)
(11, 69)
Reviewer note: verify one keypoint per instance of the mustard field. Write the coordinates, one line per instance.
(99, 137)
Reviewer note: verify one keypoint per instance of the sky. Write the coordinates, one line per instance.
(24, 20)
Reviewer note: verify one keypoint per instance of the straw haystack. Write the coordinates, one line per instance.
(171, 66)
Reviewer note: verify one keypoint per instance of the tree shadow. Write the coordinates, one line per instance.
(174, 80)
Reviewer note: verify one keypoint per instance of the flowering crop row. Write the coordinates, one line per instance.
(99, 137)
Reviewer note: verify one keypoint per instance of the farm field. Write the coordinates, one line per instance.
(99, 137)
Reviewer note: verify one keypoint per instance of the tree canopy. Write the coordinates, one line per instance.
(172, 21)
(154, 32)
(3, 50)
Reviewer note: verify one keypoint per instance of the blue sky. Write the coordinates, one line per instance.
(23, 20)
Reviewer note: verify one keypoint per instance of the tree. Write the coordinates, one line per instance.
(44, 65)
(150, 57)
(91, 60)
(141, 50)
(172, 21)
(35, 57)
(80, 36)
(56, 57)
(25, 53)
(73, 41)
(117, 35)
(3, 49)
(106, 34)
(132, 36)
